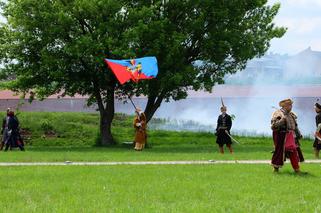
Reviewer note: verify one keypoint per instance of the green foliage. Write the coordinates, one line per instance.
(51, 46)
(46, 126)
(198, 42)
(58, 46)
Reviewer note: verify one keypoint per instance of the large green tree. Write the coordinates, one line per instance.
(58, 46)
(197, 42)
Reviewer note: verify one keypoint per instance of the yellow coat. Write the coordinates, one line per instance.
(140, 129)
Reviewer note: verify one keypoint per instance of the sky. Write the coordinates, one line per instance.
(303, 20)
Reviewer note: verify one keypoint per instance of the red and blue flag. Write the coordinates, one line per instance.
(134, 69)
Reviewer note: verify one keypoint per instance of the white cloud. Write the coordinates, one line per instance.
(2, 19)
(300, 25)
(303, 20)
(303, 3)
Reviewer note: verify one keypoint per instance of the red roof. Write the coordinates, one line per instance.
(7, 94)
(222, 91)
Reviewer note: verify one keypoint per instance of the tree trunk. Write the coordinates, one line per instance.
(105, 129)
(153, 103)
(106, 117)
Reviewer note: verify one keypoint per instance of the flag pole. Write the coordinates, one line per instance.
(134, 107)
(132, 102)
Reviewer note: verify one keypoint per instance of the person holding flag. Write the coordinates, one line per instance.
(140, 126)
(135, 70)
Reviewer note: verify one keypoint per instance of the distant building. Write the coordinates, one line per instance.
(304, 64)
(302, 68)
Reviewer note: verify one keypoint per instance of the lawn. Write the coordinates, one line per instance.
(183, 151)
(163, 188)
(58, 137)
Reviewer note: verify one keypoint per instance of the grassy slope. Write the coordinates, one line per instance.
(77, 132)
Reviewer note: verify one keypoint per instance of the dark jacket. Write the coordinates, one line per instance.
(224, 122)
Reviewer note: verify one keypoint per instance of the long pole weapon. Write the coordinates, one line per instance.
(138, 116)
(222, 102)
(132, 102)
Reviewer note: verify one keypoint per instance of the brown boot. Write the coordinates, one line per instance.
(230, 148)
(299, 172)
(316, 153)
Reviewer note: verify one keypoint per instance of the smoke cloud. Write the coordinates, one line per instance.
(252, 96)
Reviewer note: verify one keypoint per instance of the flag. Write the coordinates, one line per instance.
(134, 69)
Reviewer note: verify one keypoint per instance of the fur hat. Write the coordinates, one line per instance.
(224, 108)
(317, 105)
(285, 102)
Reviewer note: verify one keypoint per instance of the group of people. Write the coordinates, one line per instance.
(285, 133)
(10, 132)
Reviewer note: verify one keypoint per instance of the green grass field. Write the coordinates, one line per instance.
(174, 188)
(147, 188)
(183, 151)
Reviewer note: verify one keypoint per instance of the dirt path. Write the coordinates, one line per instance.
(69, 163)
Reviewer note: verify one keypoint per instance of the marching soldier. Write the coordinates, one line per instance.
(4, 130)
(224, 125)
(13, 137)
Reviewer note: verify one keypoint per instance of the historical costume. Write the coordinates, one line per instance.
(4, 130)
(283, 124)
(140, 126)
(298, 137)
(317, 141)
(224, 124)
(13, 139)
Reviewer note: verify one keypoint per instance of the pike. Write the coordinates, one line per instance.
(232, 137)
(222, 102)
